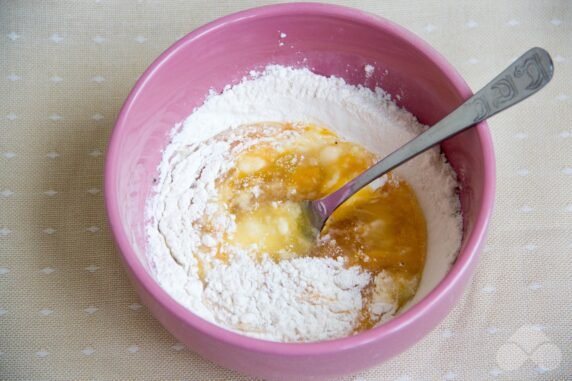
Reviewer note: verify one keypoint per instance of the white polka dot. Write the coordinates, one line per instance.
(95, 153)
(492, 330)
(92, 268)
(556, 22)
(447, 333)
(92, 229)
(55, 117)
(42, 353)
(13, 36)
(450, 376)
(521, 135)
(56, 38)
(52, 154)
(13, 77)
(429, 28)
(538, 327)
(569, 208)
(11, 116)
(523, 172)
(140, 39)
(535, 286)
(49, 231)
(6, 193)
(93, 191)
(513, 22)
(567, 171)
(9, 155)
(88, 351)
(47, 270)
(50, 193)
(565, 134)
(98, 39)
(56, 79)
(135, 306)
(98, 79)
(559, 58)
(283, 35)
(526, 209)
(3, 311)
(541, 370)
(471, 24)
(4, 270)
(473, 61)
(46, 312)
(4, 231)
(97, 116)
(530, 247)
(562, 97)
(495, 372)
(178, 347)
(488, 289)
(133, 349)
(91, 310)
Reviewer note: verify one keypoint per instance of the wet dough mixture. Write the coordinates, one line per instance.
(225, 231)
(381, 229)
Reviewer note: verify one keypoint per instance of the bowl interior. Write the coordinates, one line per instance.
(329, 44)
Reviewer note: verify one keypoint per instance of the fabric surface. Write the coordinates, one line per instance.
(67, 310)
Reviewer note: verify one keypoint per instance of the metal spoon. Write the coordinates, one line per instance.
(524, 77)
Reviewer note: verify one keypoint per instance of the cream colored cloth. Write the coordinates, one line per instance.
(67, 310)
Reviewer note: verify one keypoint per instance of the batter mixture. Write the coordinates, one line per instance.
(226, 234)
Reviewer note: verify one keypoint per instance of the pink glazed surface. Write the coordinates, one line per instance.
(330, 40)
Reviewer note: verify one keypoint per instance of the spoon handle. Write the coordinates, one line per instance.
(524, 77)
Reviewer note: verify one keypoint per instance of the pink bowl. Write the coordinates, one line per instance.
(329, 40)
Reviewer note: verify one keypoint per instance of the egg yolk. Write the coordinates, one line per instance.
(381, 228)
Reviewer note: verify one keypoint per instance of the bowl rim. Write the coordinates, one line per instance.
(462, 264)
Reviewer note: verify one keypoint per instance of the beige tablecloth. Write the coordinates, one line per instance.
(67, 310)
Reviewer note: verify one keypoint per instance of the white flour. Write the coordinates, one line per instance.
(302, 299)
(369, 70)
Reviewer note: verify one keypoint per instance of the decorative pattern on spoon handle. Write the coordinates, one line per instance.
(524, 77)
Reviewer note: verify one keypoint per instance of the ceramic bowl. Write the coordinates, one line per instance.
(330, 40)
